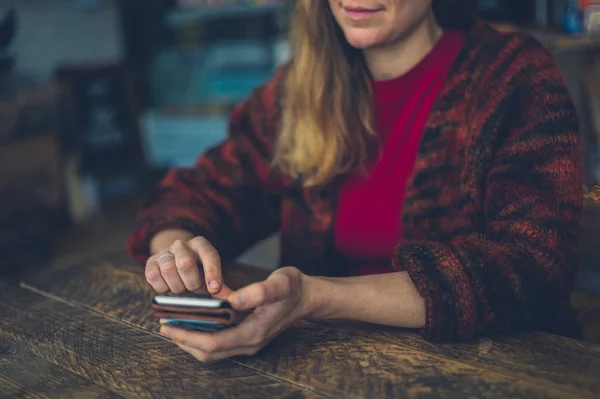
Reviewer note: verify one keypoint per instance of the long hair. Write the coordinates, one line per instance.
(327, 124)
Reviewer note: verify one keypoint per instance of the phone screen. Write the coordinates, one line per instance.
(192, 302)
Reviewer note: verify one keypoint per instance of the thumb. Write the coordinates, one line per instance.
(224, 294)
(274, 289)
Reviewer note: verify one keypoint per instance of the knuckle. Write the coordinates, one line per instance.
(152, 275)
(206, 249)
(186, 265)
(168, 267)
(212, 346)
(285, 280)
(199, 240)
(177, 245)
(258, 338)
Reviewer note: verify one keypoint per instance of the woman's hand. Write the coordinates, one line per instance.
(278, 302)
(176, 269)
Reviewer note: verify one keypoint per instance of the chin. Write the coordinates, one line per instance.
(363, 40)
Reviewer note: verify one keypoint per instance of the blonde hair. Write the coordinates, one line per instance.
(327, 122)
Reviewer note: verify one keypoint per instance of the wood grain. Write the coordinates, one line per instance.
(356, 360)
(351, 360)
(125, 359)
(114, 286)
(25, 375)
(534, 355)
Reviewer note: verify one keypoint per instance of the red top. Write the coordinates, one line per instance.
(369, 225)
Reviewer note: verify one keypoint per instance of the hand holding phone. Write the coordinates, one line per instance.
(195, 313)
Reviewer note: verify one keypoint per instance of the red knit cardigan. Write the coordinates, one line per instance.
(492, 211)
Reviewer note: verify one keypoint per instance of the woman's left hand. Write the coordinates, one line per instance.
(279, 301)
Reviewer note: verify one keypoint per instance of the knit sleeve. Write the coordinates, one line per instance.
(228, 196)
(515, 272)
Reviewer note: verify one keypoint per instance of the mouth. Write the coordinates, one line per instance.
(359, 13)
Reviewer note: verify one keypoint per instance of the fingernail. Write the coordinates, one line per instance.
(214, 285)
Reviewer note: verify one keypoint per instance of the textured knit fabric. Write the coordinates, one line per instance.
(368, 224)
(491, 216)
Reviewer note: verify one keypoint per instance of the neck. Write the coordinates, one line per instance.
(399, 57)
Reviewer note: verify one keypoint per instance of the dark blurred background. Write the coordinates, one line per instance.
(98, 98)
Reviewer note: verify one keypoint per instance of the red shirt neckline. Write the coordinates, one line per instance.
(385, 88)
(368, 225)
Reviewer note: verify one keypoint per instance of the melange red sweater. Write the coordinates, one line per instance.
(491, 215)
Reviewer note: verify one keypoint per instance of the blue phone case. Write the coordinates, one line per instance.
(208, 326)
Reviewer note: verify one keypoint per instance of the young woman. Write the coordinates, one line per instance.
(422, 168)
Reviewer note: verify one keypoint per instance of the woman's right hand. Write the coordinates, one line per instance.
(191, 264)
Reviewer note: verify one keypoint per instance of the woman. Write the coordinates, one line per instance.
(423, 169)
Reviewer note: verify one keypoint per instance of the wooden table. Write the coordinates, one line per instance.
(85, 331)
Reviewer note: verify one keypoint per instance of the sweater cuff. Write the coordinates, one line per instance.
(138, 244)
(437, 275)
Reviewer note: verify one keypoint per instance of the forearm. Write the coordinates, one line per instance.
(385, 299)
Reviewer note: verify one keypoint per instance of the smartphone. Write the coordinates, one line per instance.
(195, 313)
(198, 325)
(191, 302)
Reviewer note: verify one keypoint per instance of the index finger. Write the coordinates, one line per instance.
(211, 264)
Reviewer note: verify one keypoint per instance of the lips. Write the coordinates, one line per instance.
(361, 9)
(359, 13)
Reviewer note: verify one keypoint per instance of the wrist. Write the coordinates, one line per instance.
(315, 291)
